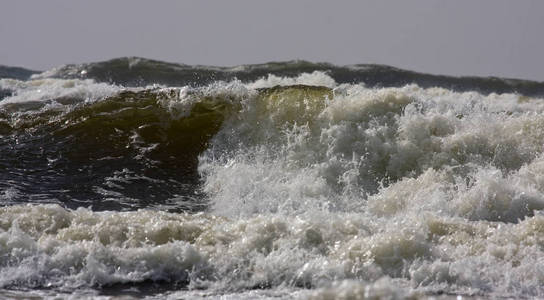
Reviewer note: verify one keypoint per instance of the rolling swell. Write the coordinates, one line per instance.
(134, 71)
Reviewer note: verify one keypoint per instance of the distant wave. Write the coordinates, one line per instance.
(16, 72)
(134, 71)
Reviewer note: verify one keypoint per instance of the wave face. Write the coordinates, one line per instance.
(273, 186)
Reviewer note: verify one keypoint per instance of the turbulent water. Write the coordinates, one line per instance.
(282, 180)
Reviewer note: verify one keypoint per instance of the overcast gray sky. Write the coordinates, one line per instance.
(462, 37)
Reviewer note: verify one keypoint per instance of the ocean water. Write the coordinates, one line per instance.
(141, 178)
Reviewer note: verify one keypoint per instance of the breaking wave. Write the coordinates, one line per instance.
(306, 184)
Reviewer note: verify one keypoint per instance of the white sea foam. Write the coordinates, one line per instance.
(316, 78)
(48, 246)
(40, 92)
